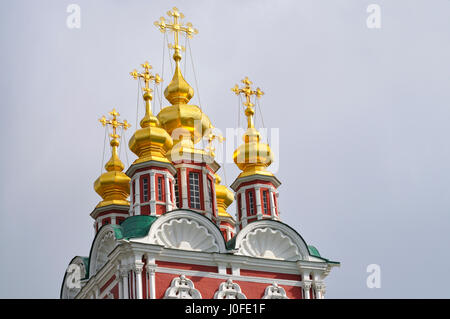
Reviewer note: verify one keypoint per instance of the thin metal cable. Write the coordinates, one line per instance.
(137, 101)
(239, 110)
(104, 149)
(162, 74)
(126, 150)
(195, 74)
(168, 51)
(157, 96)
(262, 119)
(185, 42)
(225, 173)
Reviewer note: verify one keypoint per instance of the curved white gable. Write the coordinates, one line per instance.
(271, 240)
(185, 230)
(104, 244)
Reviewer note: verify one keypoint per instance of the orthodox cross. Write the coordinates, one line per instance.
(248, 93)
(146, 76)
(211, 137)
(176, 27)
(114, 123)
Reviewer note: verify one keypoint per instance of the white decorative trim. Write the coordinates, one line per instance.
(185, 230)
(275, 292)
(104, 243)
(185, 234)
(269, 243)
(229, 290)
(182, 288)
(271, 240)
(235, 276)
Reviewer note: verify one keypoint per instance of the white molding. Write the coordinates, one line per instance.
(276, 231)
(185, 230)
(204, 274)
(229, 290)
(182, 288)
(274, 292)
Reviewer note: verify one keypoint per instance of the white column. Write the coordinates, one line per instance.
(306, 285)
(124, 278)
(138, 275)
(151, 269)
(184, 199)
(319, 288)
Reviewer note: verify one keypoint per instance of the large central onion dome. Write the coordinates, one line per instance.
(181, 120)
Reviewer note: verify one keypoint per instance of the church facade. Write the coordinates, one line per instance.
(162, 229)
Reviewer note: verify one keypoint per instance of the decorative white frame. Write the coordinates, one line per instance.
(229, 290)
(182, 288)
(275, 292)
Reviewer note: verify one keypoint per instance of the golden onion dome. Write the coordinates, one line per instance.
(252, 157)
(113, 185)
(180, 119)
(151, 142)
(224, 198)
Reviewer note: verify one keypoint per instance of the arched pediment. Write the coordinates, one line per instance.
(185, 230)
(76, 271)
(104, 244)
(271, 240)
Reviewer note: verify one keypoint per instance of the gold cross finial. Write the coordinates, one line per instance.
(177, 27)
(147, 77)
(248, 93)
(114, 123)
(211, 137)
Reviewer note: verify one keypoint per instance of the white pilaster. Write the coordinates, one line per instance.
(167, 193)
(258, 203)
(184, 192)
(272, 204)
(243, 210)
(137, 197)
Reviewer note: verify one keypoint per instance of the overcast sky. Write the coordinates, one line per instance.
(363, 117)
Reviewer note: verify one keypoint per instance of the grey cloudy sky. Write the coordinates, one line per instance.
(363, 118)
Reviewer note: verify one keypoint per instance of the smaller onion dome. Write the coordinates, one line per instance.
(252, 157)
(224, 197)
(151, 142)
(113, 185)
